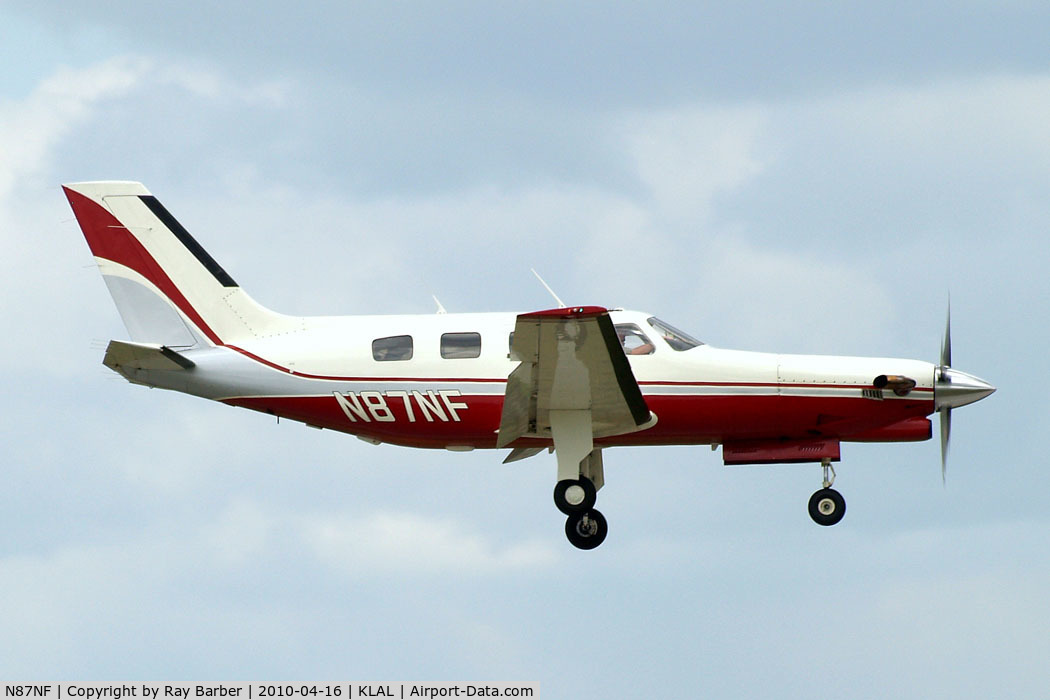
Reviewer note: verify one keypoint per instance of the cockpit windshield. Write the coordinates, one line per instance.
(674, 337)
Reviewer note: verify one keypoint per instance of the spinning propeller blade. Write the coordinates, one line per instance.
(943, 376)
(946, 434)
(952, 389)
(946, 345)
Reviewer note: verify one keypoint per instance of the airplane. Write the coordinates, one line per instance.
(572, 380)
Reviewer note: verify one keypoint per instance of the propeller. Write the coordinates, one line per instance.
(944, 377)
(952, 389)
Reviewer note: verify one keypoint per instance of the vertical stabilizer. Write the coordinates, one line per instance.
(168, 289)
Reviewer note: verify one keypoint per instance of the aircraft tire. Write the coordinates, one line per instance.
(586, 530)
(826, 507)
(562, 494)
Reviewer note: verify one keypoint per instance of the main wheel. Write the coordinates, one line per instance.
(827, 506)
(586, 530)
(575, 496)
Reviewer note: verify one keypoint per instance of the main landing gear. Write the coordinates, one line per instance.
(827, 506)
(585, 526)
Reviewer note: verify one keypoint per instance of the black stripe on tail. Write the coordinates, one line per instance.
(187, 240)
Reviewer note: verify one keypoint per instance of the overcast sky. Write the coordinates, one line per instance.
(813, 178)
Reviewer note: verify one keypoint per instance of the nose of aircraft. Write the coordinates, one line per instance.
(954, 388)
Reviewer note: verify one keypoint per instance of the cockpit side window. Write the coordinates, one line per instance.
(460, 345)
(633, 340)
(395, 347)
(675, 338)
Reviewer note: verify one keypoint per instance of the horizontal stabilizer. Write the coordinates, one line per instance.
(122, 356)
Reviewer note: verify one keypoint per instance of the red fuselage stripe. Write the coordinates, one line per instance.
(681, 419)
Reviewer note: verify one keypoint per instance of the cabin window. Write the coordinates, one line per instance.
(674, 337)
(396, 347)
(633, 340)
(456, 346)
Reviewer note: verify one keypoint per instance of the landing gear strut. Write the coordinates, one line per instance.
(827, 506)
(580, 475)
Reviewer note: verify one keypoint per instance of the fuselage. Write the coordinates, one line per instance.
(575, 379)
(438, 381)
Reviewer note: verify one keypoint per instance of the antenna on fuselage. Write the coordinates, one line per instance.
(561, 304)
(441, 308)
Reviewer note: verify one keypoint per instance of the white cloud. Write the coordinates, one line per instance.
(31, 128)
(980, 115)
(203, 81)
(70, 111)
(853, 204)
(776, 298)
(417, 545)
(202, 528)
(241, 533)
(688, 157)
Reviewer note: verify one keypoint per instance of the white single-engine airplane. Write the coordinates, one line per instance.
(574, 380)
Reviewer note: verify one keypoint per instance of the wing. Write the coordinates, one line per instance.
(571, 360)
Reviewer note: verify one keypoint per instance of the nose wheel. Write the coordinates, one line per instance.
(827, 506)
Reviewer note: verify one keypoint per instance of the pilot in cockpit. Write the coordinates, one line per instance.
(632, 339)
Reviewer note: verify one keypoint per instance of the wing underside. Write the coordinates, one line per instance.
(571, 360)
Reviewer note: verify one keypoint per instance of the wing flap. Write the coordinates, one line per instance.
(571, 360)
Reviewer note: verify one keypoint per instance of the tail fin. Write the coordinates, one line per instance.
(168, 290)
